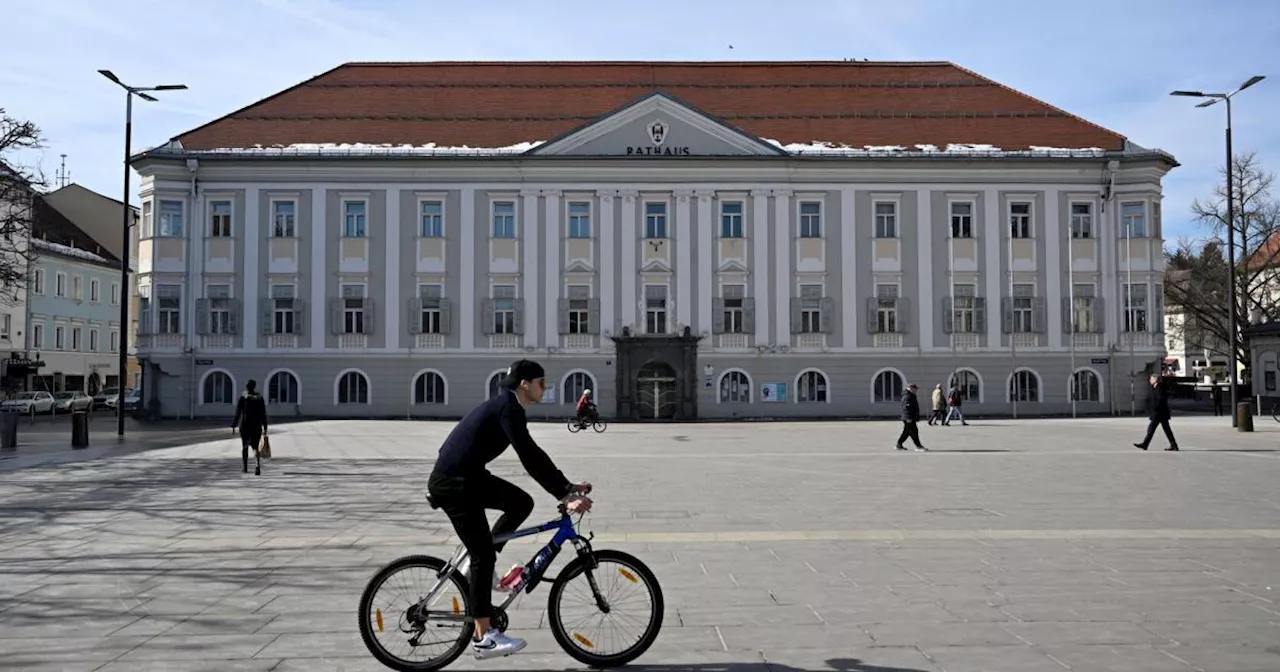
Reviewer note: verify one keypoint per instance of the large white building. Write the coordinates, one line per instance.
(686, 239)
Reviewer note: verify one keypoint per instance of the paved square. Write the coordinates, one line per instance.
(1015, 545)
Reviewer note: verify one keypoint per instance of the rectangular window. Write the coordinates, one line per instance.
(95, 290)
(170, 306)
(579, 220)
(964, 316)
(353, 309)
(115, 341)
(886, 219)
(220, 219)
(37, 336)
(431, 296)
(353, 220)
(60, 284)
(655, 309)
(432, 215)
(886, 309)
(504, 220)
(962, 220)
(147, 222)
(1135, 307)
(655, 221)
(1081, 220)
(810, 309)
(1023, 308)
(60, 337)
(811, 219)
(579, 309)
(170, 219)
(115, 293)
(733, 297)
(1133, 220)
(730, 219)
(37, 284)
(219, 303)
(93, 340)
(1020, 220)
(283, 311)
(283, 219)
(504, 309)
(1082, 310)
(77, 288)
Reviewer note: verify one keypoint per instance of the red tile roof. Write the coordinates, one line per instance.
(497, 104)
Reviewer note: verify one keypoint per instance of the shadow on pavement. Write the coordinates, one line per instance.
(832, 665)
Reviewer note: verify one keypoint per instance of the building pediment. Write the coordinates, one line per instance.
(657, 126)
(732, 266)
(656, 266)
(579, 267)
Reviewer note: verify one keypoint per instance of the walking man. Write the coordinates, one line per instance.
(1159, 416)
(251, 418)
(910, 416)
(939, 404)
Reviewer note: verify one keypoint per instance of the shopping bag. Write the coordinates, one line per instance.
(264, 448)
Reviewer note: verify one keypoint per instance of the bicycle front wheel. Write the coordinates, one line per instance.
(404, 631)
(625, 629)
(599, 425)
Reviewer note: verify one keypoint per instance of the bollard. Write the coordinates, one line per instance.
(79, 429)
(1244, 416)
(8, 431)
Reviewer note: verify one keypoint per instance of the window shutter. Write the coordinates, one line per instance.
(873, 314)
(1066, 315)
(202, 316)
(267, 326)
(796, 322)
(486, 317)
(369, 313)
(1006, 304)
(1038, 315)
(519, 318)
(1099, 315)
(980, 315)
(562, 315)
(717, 316)
(413, 316)
(748, 315)
(1158, 326)
(446, 316)
(299, 316)
(233, 316)
(335, 316)
(827, 308)
(593, 316)
(948, 316)
(904, 314)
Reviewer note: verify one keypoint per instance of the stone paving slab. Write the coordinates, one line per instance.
(1016, 545)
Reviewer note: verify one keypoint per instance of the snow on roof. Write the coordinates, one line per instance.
(813, 148)
(69, 251)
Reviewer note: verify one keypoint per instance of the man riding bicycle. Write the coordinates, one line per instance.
(461, 485)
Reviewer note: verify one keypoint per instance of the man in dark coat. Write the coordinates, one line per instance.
(251, 419)
(910, 416)
(1158, 402)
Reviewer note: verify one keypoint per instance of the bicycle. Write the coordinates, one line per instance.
(412, 621)
(577, 425)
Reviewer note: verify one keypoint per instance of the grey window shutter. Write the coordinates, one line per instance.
(904, 314)
(1066, 314)
(233, 316)
(749, 315)
(1157, 325)
(519, 318)
(486, 317)
(202, 316)
(948, 316)
(446, 316)
(795, 316)
(873, 315)
(1006, 304)
(980, 315)
(413, 316)
(717, 316)
(562, 315)
(299, 316)
(1099, 315)
(144, 322)
(267, 326)
(826, 314)
(369, 316)
(1038, 315)
(335, 316)
(593, 316)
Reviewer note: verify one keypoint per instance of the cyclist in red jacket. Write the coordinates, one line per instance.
(586, 409)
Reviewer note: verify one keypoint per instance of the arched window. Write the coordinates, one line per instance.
(967, 382)
(735, 387)
(282, 388)
(575, 383)
(353, 388)
(495, 383)
(887, 387)
(811, 386)
(429, 388)
(218, 388)
(1086, 386)
(1024, 386)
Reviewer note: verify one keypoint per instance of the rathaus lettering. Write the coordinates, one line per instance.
(658, 151)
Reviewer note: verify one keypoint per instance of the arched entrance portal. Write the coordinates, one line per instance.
(657, 391)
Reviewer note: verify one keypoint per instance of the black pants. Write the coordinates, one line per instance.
(1163, 423)
(909, 430)
(249, 441)
(464, 500)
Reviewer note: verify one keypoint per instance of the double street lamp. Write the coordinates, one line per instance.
(1213, 98)
(141, 92)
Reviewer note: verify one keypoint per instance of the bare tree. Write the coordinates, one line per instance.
(1197, 283)
(19, 185)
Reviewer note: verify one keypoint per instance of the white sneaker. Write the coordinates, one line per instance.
(495, 644)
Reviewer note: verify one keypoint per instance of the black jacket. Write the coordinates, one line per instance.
(1158, 403)
(251, 413)
(910, 407)
(485, 433)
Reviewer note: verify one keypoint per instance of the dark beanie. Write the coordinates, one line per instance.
(523, 369)
(251, 385)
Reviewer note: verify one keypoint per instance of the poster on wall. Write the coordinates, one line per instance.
(773, 392)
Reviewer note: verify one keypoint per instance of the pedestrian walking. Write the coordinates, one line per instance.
(910, 416)
(1216, 393)
(251, 419)
(1158, 403)
(939, 404)
(954, 401)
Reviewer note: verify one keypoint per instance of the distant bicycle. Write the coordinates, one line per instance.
(1275, 411)
(576, 425)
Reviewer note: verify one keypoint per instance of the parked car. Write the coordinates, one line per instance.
(131, 399)
(68, 402)
(100, 399)
(28, 402)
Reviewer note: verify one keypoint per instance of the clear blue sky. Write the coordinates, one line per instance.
(1112, 62)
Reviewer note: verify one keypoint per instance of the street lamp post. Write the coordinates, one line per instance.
(1231, 228)
(130, 92)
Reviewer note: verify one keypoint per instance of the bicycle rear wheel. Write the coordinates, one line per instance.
(574, 426)
(396, 629)
(624, 583)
